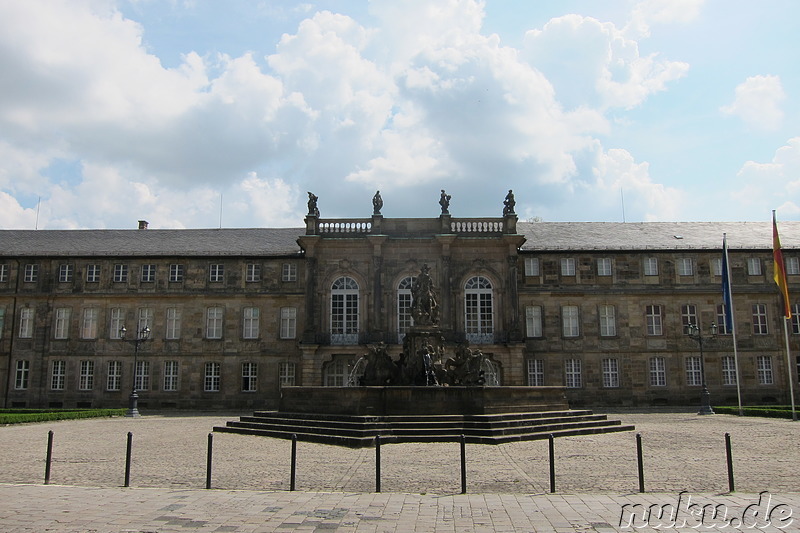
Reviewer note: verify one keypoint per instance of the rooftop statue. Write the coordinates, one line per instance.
(444, 201)
(312, 205)
(377, 203)
(509, 203)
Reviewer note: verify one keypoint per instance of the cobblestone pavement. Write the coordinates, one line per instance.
(507, 485)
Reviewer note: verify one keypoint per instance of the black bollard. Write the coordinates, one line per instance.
(209, 455)
(640, 461)
(128, 460)
(463, 464)
(377, 463)
(552, 464)
(49, 457)
(730, 461)
(294, 462)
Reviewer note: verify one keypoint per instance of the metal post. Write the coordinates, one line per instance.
(640, 461)
(209, 455)
(463, 464)
(377, 463)
(294, 462)
(49, 457)
(730, 461)
(128, 460)
(552, 464)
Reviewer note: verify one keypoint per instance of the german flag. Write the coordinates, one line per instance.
(779, 268)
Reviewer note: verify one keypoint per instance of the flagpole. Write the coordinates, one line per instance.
(727, 305)
(779, 273)
(789, 365)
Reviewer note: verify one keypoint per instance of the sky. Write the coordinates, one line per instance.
(204, 114)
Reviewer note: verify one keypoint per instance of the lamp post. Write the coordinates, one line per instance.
(141, 336)
(705, 398)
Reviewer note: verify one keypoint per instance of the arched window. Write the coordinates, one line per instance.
(344, 311)
(478, 311)
(404, 298)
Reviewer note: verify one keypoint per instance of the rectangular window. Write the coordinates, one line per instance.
(173, 325)
(31, 273)
(795, 319)
(253, 272)
(114, 378)
(533, 321)
(567, 266)
(286, 374)
(658, 372)
(716, 266)
(3, 273)
(92, 273)
(764, 368)
(61, 323)
(148, 273)
(650, 266)
(2, 321)
(728, 370)
(535, 373)
(89, 325)
(792, 265)
(175, 273)
(685, 266)
(608, 321)
(145, 319)
(289, 272)
(120, 273)
(694, 375)
(760, 319)
(214, 322)
(288, 322)
(26, 323)
(142, 375)
(653, 319)
(212, 377)
(722, 324)
(572, 368)
(570, 321)
(116, 322)
(216, 273)
(753, 266)
(65, 273)
(58, 375)
(86, 381)
(688, 317)
(170, 375)
(531, 266)
(604, 266)
(22, 375)
(335, 374)
(250, 316)
(610, 373)
(249, 377)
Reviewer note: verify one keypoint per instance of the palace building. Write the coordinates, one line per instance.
(233, 315)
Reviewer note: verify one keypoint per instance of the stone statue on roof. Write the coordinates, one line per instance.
(377, 203)
(509, 203)
(444, 201)
(313, 210)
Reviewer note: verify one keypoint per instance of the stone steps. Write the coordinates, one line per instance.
(360, 431)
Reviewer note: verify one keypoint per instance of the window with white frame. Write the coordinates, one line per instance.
(532, 266)
(694, 371)
(286, 374)
(171, 376)
(175, 273)
(688, 317)
(651, 266)
(658, 372)
(478, 310)
(653, 320)
(114, 376)
(722, 322)
(22, 374)
(685, 266)
(31, 273)
(344, 311)
(252, 272)
(92, 273)
(250, 320)
(336, 373)
(610, 373)
(404, 298)
(58, 375)
(567, 266)
(65, 273)
(216, 272)
(3, 273)
(116, 321)
(214, 317)
(570, 321)
(2, 321)
(26, 323)
(288, 322)
(795, 319)
(61, 323)
(716, 266)
(604, 266)
(728, 370)
(792, 265)
(764, 370)
(533, 321)
(760, 319)
(249, 377)
(142, 375)
(89, 323)
(145, 319)
(289, 272)
(608, 320)
(86, 376)
(120, 273)
(213, 375)
(173, 325)
(572, 374)
(148, 273)
(753, 266)
(535, 372)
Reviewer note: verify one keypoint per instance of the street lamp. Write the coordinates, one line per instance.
(705, 398)
(141, 336)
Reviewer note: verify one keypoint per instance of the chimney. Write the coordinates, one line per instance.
(142, 224)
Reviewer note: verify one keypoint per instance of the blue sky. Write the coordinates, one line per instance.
(188, 113)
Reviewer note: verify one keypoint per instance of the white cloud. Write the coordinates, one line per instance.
(773, 185)
(757, 102)
(650, 12)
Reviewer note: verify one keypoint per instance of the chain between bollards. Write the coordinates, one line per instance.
(377, 463)
(49, 457)
(209, 456)
(128, 460)
(294, 462)
(639, 461)
(730, 461)
(552, 463)
(463, 464)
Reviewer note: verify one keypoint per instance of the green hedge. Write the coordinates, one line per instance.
(774, 411)
(21, 416)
